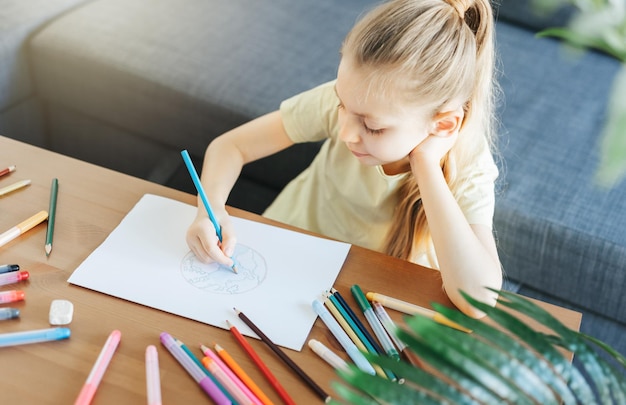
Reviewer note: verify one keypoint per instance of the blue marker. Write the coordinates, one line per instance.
(9, 313)
(33, 336)
(196, 181)
(347, 344)
(7, 268)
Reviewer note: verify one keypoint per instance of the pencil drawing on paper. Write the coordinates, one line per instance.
(220, 279)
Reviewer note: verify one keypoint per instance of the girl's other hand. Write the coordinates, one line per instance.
(204, 243)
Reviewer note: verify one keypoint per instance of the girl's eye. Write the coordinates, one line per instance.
(339, 106)
(373, 131)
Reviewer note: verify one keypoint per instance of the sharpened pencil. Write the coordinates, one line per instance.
(261, 365)
(283, 356)
(54, 190)
(243, 376)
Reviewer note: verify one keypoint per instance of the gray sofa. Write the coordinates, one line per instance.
(129, 83)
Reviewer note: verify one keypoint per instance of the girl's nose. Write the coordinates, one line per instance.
(348, 131)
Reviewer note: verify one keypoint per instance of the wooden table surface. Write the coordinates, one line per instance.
(91, 202)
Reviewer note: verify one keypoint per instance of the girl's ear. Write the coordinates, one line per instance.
(448, 122)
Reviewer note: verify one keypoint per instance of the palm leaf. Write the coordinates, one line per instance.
(508, 363)
(603, 375)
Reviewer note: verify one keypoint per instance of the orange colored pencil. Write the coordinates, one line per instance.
(257, 360)
(243, 376)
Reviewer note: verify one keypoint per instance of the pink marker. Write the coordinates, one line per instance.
(97, 372)
(13, 277)
(11, 296)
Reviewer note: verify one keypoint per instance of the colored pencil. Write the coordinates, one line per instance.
(350, 348)
(412, 309)
(205, 200)
(228, 383)
(391, 327)
(7, 170)
(260, 364)
(344, 304)
(23, 227)
(54, 190)
(97, 372)
(243, 376)
(374, 322)
(283, 356)
(15, 186)
(361, 344)
(231, 375)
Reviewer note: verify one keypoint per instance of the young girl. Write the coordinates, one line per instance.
(406, 167)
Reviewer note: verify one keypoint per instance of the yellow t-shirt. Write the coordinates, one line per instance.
(341, 198)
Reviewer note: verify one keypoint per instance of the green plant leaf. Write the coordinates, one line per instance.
(467, 383)
(605, 377)
(582, 41)
(388, 391)
(509, 363)
(537, 364)
(493, 367)
(350, 395)
(540, 344)
(420, 378)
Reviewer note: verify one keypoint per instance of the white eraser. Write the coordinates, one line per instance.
(61, 312)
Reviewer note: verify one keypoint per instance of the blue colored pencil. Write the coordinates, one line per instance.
(357, 321)
(196, 181)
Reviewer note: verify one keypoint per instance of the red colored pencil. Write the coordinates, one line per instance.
(7, 170)
(257, 360)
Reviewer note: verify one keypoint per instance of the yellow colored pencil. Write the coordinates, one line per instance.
(23, 227)
(350, 332)
(413, 309)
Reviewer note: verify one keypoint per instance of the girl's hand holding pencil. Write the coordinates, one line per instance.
(209, 237)
(204, 243)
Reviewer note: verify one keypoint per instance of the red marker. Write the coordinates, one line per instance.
(11, 296)
(13, 277)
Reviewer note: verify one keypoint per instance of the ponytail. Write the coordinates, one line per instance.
(439, 50)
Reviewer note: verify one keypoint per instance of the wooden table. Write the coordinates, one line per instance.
(92, 201)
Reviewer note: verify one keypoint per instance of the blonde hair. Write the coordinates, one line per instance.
(438, 51)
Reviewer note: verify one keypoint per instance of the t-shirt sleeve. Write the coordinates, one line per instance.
(476, 193)
(309, 116)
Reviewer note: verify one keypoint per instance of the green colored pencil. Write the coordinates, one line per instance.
(54, 190)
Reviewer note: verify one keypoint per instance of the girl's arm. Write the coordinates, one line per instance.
(467, 254)
(224, 158)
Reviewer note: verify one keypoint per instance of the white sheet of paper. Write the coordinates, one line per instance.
(280, 272)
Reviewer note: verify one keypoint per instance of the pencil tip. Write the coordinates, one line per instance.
(235, 269)
(230, 325)
(48, 249)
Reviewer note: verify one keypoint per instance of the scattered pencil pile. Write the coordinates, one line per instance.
(34, 220)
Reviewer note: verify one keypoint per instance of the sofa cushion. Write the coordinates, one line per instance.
(18, 21)
(180, 75)
(558, 230)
